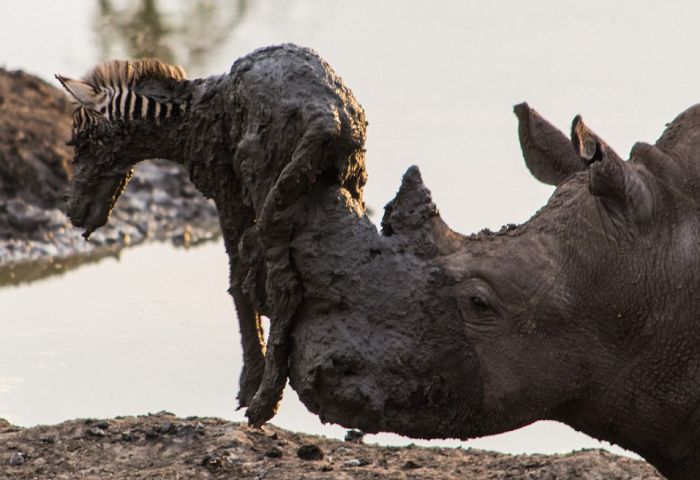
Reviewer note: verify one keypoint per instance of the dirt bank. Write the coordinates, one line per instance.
(36, 238)
(162, 446)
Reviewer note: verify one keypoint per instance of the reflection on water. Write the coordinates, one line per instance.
(30, 271)
(187, 35)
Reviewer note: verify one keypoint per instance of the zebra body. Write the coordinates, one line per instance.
(111, 93)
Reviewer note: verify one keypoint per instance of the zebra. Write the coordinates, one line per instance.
(257, 141)
(109, 92)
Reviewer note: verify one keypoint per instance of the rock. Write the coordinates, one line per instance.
(310, 452)
(166, 427)
(216, 461)
(410, 465)
(96, 432)
(273, 452)
(356, 462)
(17, 459)
(355, 436)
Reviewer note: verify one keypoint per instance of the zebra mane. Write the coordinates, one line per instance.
(125, 90)
(122, 73)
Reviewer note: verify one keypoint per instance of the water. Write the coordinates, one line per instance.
(155, 330)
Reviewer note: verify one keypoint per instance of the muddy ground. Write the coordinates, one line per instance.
(162, 446)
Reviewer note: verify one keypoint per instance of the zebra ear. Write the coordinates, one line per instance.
(81, 91)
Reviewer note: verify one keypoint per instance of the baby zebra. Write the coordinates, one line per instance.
(256, 141)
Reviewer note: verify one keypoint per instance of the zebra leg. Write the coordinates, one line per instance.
(251, 338)
(276, 223)
(283, 288)
(233, 224)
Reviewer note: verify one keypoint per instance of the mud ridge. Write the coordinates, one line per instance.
(164, 446)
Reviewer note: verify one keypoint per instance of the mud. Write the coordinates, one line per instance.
(36, 238)
(162, 446)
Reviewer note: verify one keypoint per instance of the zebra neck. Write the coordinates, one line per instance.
(125, 104)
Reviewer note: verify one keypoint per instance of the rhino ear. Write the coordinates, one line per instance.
(81, 91)
(621, 186)
(548, 153)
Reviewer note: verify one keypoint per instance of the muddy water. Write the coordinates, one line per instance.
(155, 329)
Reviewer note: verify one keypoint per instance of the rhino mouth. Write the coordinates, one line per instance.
(355, 385)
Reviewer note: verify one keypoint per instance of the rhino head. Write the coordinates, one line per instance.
(586, 314)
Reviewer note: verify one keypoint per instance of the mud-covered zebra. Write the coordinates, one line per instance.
(256, 141)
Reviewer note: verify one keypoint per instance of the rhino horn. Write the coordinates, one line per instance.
(547, 151)
(623, 187)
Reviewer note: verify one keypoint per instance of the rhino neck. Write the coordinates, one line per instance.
(676, 155)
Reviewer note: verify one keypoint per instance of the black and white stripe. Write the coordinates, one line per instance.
(127, 105)
(109, 93)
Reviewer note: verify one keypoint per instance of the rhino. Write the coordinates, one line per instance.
(586, 314)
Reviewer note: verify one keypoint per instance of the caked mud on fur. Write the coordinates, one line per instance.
(255, 141)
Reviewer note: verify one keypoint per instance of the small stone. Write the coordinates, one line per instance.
(47, 440)
(274, 452)
(166, 427)
(96, 432)
(17, 459)
(327, 467)
(410, 465)
(309, 452)
(102, 425)
(185, 430)
(356, 462)
(215, 461)
(354, 436)
(162, 413)
(127, 437)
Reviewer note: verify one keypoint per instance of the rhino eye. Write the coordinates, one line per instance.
(478, 303)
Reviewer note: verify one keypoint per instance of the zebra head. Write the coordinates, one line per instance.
(120, 107)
